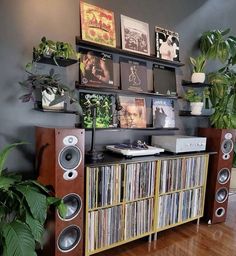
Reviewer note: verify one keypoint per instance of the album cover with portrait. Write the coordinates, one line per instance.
(135, 35)
(167, 44)
(133, 112)
(97, 24)
(133, 75)
(96, 68)
(103, 105)
(163, 113)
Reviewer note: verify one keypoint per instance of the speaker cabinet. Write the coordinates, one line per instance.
(60, 156)
(220, 141)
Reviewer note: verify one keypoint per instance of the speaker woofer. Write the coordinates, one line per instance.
(223, 175)
(70, 157)
(73, 203)
(227, 146)
(220, 212)
(69, 238)
(221, 195)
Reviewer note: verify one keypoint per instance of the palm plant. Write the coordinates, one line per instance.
(23, 210)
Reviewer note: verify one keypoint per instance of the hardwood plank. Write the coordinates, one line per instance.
(187, 240)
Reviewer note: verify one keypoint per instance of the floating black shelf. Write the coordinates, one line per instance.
(56, 111)
(61, 62)
(119, 91)
(190, 84)
(188, 113)
(152, 58)
(136, 129)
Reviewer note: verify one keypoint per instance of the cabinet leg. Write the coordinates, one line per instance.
(155, 236)
(149, 238)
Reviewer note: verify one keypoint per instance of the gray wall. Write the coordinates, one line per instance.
(24, 22)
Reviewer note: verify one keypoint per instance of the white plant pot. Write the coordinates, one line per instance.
(196, 108)
(198, 77)
(48, 98)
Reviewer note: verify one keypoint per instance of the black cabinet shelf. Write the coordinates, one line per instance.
(196, 85)
(120, 51)
(119, 91)
(188, 113)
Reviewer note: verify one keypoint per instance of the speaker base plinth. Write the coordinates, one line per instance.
(93, 155)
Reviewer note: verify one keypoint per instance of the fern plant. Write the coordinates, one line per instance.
(23, 211)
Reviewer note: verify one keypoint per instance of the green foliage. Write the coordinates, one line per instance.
(52, 85)
(23, 211)
(198, 63)
(192, 96)
(49, 48)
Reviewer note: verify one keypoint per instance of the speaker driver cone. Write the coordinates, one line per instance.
(221, 195)
(223, 175)
(227, 146)
(70, 157)
(69, 238)
(220, 212)
(73, 203)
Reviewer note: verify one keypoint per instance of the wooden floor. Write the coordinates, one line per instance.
(188, 240)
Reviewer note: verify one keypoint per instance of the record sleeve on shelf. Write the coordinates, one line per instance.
(163, 113)
(97, 25)
(133, 112)
(167, 44)
(133, 75)
(164, 81)
(96, 68)
(103, 105)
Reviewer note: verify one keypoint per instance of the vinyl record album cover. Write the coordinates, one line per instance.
(133, 112)
(163, 113)
(133, 75)
(167, 44)
(97, 25)
(96, 68)
(103, 105)
(135, 35)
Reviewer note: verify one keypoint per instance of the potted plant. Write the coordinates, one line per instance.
(198, 63)
(53, 92)
(23, 210)
(218, 45)
(48, 50)
(195, 100)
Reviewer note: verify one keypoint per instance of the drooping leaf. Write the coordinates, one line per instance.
(37, 202)
(18, 240)
(6, 182)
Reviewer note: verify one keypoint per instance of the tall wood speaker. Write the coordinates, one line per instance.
(220, 141)
(60, 155)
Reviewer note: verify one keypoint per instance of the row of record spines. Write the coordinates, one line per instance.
(176, 174)
(138, 218)
(105, 186)
(140, 180)
(178, 207)
(104, 227)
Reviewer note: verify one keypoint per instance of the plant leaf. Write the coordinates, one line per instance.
(37, 202)
(18, 239)
(6, 182)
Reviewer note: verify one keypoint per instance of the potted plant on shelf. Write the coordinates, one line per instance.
(48, 50)
(23, 210)
(195, 100)
(198, 75)
(52, 91)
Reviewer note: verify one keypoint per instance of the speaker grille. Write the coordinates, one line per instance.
(227, 146)
(70, 157)
(221, 195)
(220, 212)
(223, 175)
(69, 238)
(73, 203)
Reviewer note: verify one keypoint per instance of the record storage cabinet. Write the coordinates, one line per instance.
(128, 199)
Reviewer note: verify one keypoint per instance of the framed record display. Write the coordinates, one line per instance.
(167, 44)
(97, 25)
(133, 112)
(135, 35)
(133, 75)
(103, 105)
(163, 113)
(96, 68)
